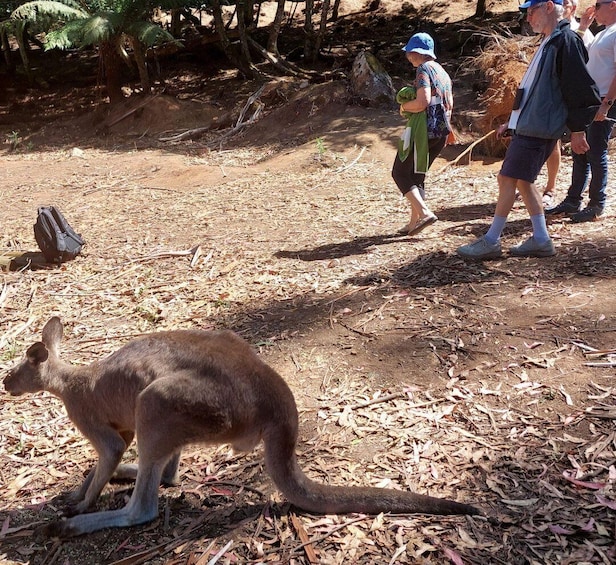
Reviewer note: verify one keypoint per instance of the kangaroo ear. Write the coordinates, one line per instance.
(52, 334)
(37, 353)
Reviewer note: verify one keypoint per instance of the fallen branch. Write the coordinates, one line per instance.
(278, 63)
(606, 412)
(196, 133)
(189, 134)
(324, 536)
(195, 252)
(241, 124)
(113, 122)
(352, 162)
(468, 150)
(303, 536)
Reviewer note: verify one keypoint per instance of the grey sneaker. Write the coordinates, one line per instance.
(480, 249)
(531, 248)
(564, 207)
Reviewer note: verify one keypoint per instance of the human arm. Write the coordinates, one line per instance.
(585, 20)
(579, 91)
(606, 102)
(419, 104)
(582, 30)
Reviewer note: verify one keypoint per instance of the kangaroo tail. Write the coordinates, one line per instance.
(325, 499)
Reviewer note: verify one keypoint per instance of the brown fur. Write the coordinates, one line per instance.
(179, 387)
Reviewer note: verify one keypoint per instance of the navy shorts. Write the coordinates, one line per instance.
(525, 156)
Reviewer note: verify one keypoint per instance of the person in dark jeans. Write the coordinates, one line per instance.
(602, 67)
(556, 92)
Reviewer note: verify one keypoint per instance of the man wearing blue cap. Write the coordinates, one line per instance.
(556, 93)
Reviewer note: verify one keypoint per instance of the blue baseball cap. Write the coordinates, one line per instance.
(531, 3)
(422, 43)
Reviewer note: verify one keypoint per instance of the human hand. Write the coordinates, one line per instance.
(579, 144)
(587, 18)
(500, 130)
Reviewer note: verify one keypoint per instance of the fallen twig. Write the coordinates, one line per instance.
(303, 535)
(195, 252)
(145, 102)
(325, 536)
(339, 170)
(469, 149)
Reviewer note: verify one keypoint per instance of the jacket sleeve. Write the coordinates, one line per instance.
(579, 90)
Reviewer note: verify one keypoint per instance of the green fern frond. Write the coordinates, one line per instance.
(45, 9)
(149, 34)
(101, 27)
(66, 37)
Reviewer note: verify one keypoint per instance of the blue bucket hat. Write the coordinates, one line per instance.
(422, 43)
(531, 3)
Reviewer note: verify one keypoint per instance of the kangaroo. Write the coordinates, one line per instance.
(173, 388)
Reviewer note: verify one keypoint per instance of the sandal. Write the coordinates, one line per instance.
(422, 224)
(547, 198)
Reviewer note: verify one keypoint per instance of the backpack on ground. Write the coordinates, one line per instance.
(57, 239)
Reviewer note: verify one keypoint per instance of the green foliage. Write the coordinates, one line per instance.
(321, 149)
(13, 139)
(44, 11)
(69, 23)
(148, 33)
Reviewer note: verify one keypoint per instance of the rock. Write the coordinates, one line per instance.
(370, 81)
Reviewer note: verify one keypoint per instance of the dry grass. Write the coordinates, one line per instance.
(412, 368)
(480, 432)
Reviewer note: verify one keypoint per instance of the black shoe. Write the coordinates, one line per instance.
(564, 207)
(588, 214)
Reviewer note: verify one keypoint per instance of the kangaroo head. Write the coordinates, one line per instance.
(31, 374)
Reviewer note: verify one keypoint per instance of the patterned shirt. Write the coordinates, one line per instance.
(430, 74)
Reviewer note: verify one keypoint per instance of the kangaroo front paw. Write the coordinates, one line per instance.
(74, 509)
(56, 529)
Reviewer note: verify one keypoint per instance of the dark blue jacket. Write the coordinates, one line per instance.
(563, 94)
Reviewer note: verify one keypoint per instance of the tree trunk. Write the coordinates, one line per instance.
(22, 43)
(224, 39)
(175, 28)
(480, 11)
(243, 6)
(112, 66)
(272, 40)
(6, 50)
(335, 10)
(309, 31)
(139, 54)
(322, 30)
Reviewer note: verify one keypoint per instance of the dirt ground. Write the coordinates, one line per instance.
(490, 383)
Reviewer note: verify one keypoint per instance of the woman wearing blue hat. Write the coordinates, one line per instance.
(427, 108)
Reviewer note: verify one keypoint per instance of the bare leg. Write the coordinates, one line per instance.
(506, 195)
(530, 196)
(552, 165)
(421, 216)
